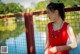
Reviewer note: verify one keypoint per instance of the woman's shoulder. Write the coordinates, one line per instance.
(50, 23)
(66, 23)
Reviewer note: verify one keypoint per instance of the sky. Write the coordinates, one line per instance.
(25, 3)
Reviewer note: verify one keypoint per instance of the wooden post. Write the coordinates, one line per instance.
(28, 17)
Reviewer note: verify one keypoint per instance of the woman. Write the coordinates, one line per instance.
(60, 37)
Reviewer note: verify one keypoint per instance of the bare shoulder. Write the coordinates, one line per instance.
(70, 31)
(69, 27)
(50, 23)
(71, 36)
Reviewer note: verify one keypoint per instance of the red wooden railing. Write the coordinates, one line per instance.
(28, 17)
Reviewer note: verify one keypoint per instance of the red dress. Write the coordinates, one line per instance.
(61, 38)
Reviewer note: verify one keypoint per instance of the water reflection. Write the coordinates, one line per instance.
(12, 35)
(17, 45)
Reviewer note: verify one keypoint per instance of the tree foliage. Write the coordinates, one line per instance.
(67, 3)
(41, 5)
(11, 8)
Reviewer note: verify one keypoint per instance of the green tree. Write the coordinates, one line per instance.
(41, 6)
(2, 8)
(67, 3)
(11, 8)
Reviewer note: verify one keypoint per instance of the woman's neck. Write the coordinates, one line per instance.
(58, 24)
(58, 21)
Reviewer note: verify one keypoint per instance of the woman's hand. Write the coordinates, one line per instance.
(46, 51)
(53, 49)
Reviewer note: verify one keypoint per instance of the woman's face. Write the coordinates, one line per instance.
(53, 15)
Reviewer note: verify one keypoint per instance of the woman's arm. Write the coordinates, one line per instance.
(47, 42)
(71, 45)
(72, 39)
(47, 39)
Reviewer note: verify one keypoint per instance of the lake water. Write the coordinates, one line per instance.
(18, 45)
